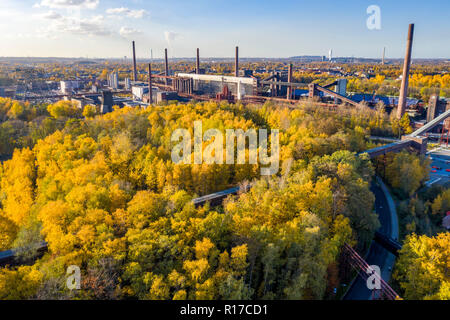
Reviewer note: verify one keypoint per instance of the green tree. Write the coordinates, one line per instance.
(406, 172)
(441, 205)
(405, 124)
(422, 267)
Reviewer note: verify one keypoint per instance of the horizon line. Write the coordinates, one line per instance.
(231, 57)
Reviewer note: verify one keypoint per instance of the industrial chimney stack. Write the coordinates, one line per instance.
(166, 64)
(405, 77)
(198, 62)
(134, 62)
(150, 91)
(236, 63)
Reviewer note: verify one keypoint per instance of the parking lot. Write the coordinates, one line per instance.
(440, 166)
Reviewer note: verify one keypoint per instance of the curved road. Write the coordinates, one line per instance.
(377, 255)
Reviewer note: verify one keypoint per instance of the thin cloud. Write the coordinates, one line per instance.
(51, 15)
(93, 26)
(88, 4)
(170, 36)
(127, 32)
(137, 14)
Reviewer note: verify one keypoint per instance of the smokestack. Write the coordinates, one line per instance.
(134, 62)
(198, 61)
(150, 92)
(289, 89)
(236, 63)
(166, 64)
(384, 53)
(405, 77)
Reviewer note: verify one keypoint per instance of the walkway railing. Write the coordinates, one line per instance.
(361, 266)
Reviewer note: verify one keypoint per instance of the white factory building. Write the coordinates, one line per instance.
(68, 86)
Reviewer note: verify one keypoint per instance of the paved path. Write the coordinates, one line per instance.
(377, 255)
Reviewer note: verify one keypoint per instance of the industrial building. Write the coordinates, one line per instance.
(82, 102)
(68, 86)
(436, 107)
(203, 84)
(138, 90)
(108, 101)
(127, 84)
(113, 80)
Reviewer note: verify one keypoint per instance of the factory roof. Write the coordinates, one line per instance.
(359, 97)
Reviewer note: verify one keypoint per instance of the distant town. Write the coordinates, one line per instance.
(335, 184)
(124, 82)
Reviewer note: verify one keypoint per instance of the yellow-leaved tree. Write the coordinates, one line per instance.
(423, 267)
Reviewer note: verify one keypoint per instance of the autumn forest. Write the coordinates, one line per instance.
(103, 192)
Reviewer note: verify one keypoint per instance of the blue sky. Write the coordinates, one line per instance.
(281, 28)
